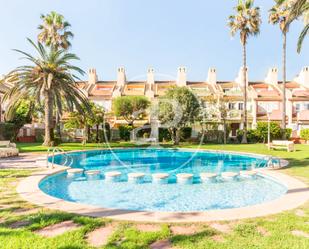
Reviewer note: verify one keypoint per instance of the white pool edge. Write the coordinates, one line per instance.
(297, 194)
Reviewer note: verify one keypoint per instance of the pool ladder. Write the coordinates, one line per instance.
(68, 159)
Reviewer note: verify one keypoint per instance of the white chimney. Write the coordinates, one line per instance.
(212, 76)
(182, 76)
(303, 77)
(150, 83)
(121, 76)
(150, 76)
(272, 76)
(93, 78)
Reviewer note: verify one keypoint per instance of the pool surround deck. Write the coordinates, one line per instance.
(296, 195)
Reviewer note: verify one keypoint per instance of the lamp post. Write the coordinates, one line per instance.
(268, 132)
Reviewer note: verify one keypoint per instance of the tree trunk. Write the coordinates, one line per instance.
(58, 128)
(48, 108)
(97, 133)
(224, 131)
(86, 135)
(177, 136)
(244, 138)
(283, 124)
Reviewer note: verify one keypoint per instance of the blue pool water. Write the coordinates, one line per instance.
(173, 196)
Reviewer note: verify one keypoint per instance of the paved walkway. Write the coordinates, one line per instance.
(23, 161)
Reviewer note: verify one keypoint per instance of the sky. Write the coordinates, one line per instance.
(164, 35)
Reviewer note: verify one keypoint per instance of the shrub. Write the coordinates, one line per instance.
(164, 135)
(141, 133)
(124, 132)
(262, 131)
(213, 136)
(39, 135)
(252, 136)
(7, 131)
(304, 134)
(288, 133)
(185, 133)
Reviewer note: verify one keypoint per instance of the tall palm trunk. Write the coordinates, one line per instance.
(244, 137)
(48, 108)
(283, 124)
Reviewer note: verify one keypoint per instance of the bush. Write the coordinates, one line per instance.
(252, 136)
(262, 131)
(7, 131)
(164, 135)
(141, 133)
(39, 135)
(288, 133)
(213, 136)
(260, 134)
(304, 134)
(185, 133)
(124, 132)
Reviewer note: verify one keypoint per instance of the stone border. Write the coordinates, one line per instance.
(297, 194)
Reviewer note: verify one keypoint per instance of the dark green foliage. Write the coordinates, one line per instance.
(130, 108)
(185, 133)
(212, 136)
(20, 117)
(164, 135)
(260, 134)
(304, 134)
(177, 109)
(7, 131)
(124, 132)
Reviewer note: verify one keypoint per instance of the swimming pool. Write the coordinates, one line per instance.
(171, 197)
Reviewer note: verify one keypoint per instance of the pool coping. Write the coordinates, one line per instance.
(296, 195)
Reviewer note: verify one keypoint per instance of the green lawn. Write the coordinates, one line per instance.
(272, 232)
(37, 147)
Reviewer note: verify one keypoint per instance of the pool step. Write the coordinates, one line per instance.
(113, 176)
(161, 178)
(136, 177)
(208, 177)
(229, 176)
(93, 174)
(184, 178)
(74, 172)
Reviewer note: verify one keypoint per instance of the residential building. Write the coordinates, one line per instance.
(264, 97)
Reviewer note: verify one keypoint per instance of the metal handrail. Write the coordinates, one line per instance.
(53, 151)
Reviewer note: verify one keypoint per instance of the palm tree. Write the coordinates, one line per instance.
(50, 80)
(54, 31)
(247, 22)
(279, 14)
(299, 8)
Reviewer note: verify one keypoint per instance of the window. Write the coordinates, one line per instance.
(297, 107)
(231, 106)
(240, 106)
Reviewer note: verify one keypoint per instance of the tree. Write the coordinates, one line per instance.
(54, 31)
(85, 120)
(299, 8)
(49, 79)
(247, 22)
(98, 119)
(130, 108)
(279, 14)
(21, 115)
(215, 110)
(177, 109)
